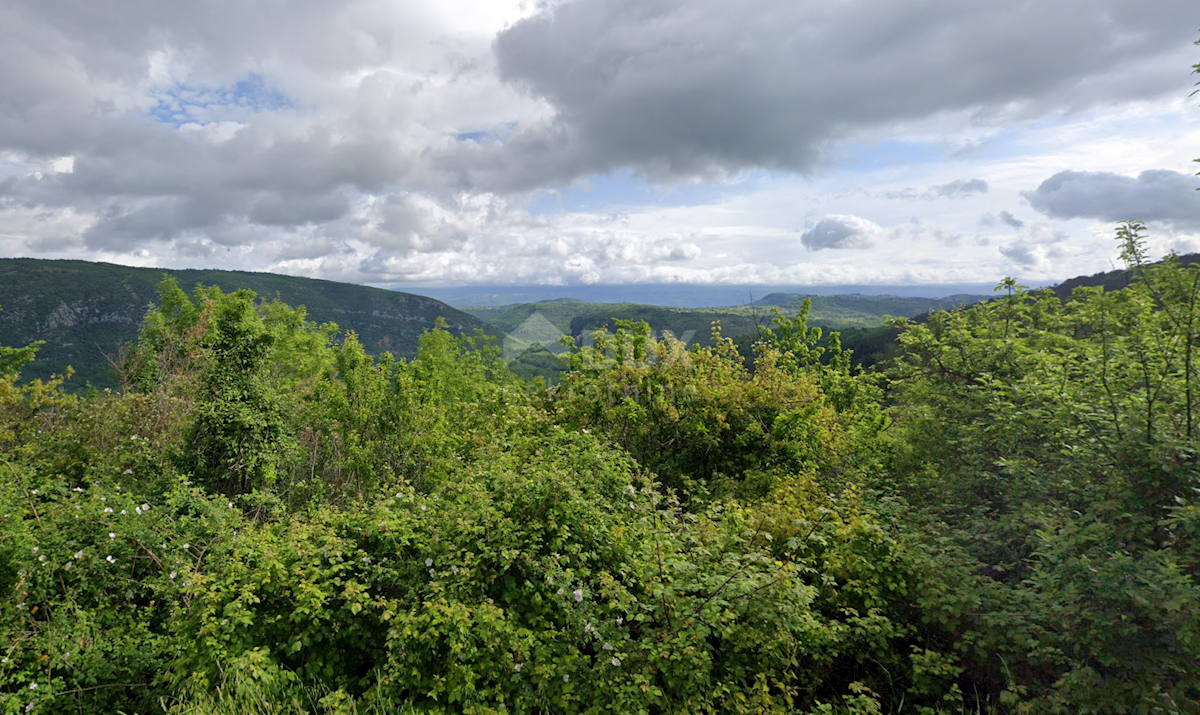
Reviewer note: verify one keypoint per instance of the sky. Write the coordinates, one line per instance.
(594, 142)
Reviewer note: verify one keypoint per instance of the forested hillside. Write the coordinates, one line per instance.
(85, 311)
(270, 520)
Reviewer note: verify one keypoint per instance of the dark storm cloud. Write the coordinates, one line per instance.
(1158, 195)
(683, 88)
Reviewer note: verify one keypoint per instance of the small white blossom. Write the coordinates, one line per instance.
(616, 661)
(579, 595)
(517, 667)
(620, 620)
(138, 510)
(187, 546)
(42, 557)
(68, 566)
(111, 535)
(428, 562)
(79, 554)
(34, 492)
(366, 559)
(108, 510)
(431, 573)
(124, 511)
(33, 686)
(110, 559)
(423, 507)
(78, 489)
(127, 471)
(608, 646)
(145, 507)
(35, 549)
(172, 576)
(566, 678)
(230, 505)
(454, 569)
(560, 591)
(587, 628)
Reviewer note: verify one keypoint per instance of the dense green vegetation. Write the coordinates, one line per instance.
(534, 354)
(84, 312)
(270, 520)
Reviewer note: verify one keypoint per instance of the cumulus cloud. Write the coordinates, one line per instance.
(1157, 195)
(378, 141)
(837, 231)
(1004, 217)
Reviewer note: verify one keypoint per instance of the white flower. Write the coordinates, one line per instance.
(608, 646)
(138, 510)
(632, 505)
(423, 507)
(454, 569)
(124, 512)
(33, 686)
(585, 431)
(579, 595)
(68, 566)
(108, 510)
(230, 505)
(34, 492)
(145, 507)
(79, 554)
(629, 488)
(78, 489)
(366, 559)
(111, 535)
(616, 661)
(187, 546)
(35, 549)
(127, 471)
(620, 620)
(566, 678)
(42, 557)
(431, 573)
(517, 667)
(110, 559)
(560, 591)
(587, 628)
(172, 576)
(428, 562)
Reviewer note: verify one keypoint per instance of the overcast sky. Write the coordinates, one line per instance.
(421, 142)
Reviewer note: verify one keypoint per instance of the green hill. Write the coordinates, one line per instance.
(86, 311)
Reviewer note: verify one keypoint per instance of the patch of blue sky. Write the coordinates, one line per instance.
(476, 137)
(623, 189)
(891, 153)
(185, 103)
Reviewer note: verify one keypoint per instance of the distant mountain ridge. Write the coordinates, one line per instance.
(85, 311)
